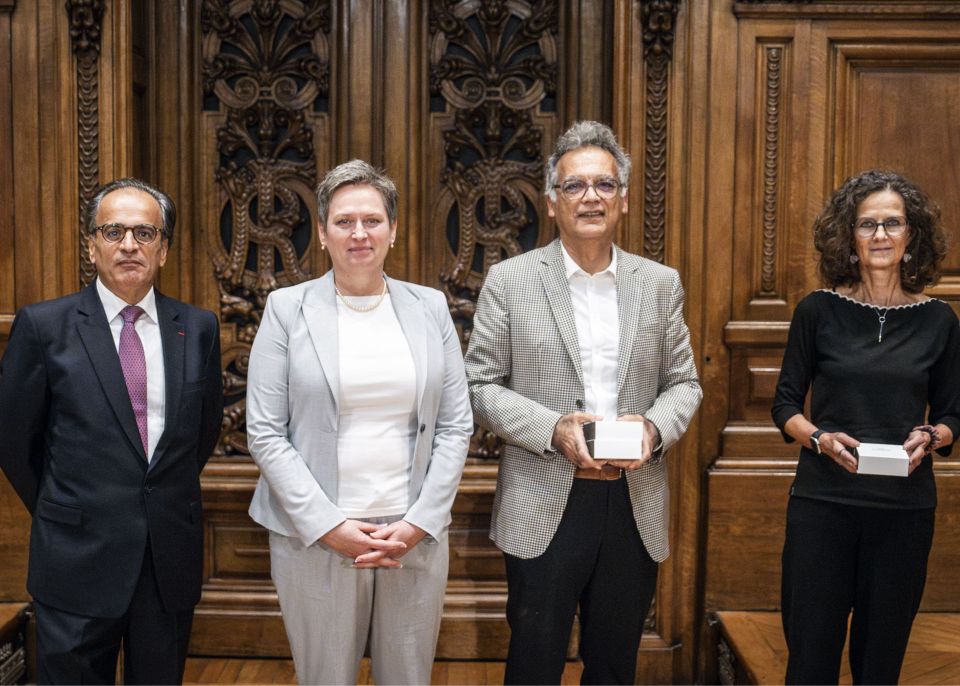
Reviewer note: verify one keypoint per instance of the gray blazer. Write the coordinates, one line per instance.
(292, 414)
(524, 371)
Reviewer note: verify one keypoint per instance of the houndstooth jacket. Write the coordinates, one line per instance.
(524, 371)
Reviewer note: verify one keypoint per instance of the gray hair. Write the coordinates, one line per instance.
(585, 134)
(356, 172)
(168, 211)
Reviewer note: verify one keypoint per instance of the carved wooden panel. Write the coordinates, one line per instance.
(912, 87)
(266, 75)
(86, 17)
(824, 91)
(7, 224)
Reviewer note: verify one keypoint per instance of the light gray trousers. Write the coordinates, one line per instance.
(330, 609)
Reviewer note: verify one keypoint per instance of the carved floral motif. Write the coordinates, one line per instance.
(771, 168)
(493, 64)
(265, 63)
(659, 23)
(85, 25)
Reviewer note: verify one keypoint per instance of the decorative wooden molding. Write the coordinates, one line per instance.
(659, 24)
(773, 56)
(86, 17)
(493, 80)
(746, 334)
(266, 64)
(7, 5)
(808, 9)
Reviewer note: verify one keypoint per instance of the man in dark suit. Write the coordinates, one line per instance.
(110, 404)
(565, 335)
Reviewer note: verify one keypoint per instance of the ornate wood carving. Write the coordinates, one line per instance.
(771, 168)
(493, 64)
(267, 64)
(85, 26)
(726, 664)
(659, 23)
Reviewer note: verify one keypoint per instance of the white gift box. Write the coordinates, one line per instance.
(613, 440)
(887, 459)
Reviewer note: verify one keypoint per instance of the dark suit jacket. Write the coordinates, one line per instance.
(70, 447)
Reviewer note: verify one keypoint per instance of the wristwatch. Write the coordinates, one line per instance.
(815, 441)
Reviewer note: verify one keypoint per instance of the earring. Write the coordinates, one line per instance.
(854, 259)
(907, 257)
(391, 243)
(323, 246)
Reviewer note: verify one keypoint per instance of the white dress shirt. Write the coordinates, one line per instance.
(148, 328)
(598, 332)
(377, 426)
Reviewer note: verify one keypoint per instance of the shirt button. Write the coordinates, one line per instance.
(423, 427)
(148, 489)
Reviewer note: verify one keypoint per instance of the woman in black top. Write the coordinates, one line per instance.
(883, 361)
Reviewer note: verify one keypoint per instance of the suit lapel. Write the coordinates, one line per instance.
(413, 322)
(173, 338)
(320, 314)
(555, 284)
(94, 331)
(629, 281)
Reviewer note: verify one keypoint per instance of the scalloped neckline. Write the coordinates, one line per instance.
(905, 306)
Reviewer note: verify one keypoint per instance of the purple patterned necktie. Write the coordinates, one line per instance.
(134, 366)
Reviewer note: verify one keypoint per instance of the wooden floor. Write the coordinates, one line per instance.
(933, 655)
(236, 671)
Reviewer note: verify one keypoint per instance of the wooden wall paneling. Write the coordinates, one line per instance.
(7, 211)
(264, 132)
(359, 108)
(872, 70)
(745, 538)
(908, 84)
(404, 78)
(586, 59)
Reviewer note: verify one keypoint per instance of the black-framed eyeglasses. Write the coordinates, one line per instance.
(892, 226)
(144, 234)
(573, 189)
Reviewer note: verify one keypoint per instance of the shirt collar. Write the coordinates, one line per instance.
(112, 304)
(572, 268)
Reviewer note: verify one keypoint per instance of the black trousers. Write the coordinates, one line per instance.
(76, 649)
(596, 559)
(839, 558)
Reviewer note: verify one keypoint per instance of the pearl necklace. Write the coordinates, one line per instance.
(362, 308)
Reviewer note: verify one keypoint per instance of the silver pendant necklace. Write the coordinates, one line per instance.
(882, 317)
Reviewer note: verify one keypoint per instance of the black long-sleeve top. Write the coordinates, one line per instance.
(873, 387)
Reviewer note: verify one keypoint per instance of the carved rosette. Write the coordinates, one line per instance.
(771, 167)
(86, 18)
(265, 64)
(492, 64)
(658, 24)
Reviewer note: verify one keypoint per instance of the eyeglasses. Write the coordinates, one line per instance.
(574, 189)
(893, 226)
(144, 234)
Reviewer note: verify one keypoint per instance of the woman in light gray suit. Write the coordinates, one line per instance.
(359, 420)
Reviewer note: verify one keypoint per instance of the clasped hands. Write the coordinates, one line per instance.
(839, 447)
(373, 545)
(568, 439)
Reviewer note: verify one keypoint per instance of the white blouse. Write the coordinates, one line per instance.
(378, 411)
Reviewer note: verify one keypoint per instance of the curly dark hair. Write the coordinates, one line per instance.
(834, 237)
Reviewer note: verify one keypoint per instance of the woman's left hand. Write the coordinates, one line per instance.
(401, 531)
(916, 447)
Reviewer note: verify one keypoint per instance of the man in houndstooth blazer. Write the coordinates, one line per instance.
(565, 334)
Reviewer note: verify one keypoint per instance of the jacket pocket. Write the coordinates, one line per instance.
(55, 512)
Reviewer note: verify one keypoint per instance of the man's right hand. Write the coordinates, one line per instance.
(351, 539)
(568, 439)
